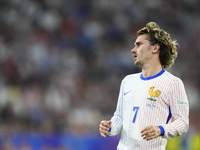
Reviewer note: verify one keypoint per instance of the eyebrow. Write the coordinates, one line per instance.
(137, 43)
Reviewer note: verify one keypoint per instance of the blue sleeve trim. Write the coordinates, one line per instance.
(170, 115)
(162, 130)
(109, 129)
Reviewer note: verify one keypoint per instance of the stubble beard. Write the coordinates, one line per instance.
(138, 63)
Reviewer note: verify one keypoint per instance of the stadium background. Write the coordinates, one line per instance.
(62, 63)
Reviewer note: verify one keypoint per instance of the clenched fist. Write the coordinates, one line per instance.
(104, 127)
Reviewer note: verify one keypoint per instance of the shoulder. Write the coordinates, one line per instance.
(169, 76)
(135, 76)
(131, 78)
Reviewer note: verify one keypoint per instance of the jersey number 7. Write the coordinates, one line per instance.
(135, 109)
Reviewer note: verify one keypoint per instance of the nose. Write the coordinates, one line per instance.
(133, 50)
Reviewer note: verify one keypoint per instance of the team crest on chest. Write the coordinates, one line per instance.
(153, 95)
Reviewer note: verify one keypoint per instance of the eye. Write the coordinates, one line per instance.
(138, 44)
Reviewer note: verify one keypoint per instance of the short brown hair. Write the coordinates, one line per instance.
(168, 49)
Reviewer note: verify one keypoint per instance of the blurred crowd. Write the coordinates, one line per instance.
(62, 61)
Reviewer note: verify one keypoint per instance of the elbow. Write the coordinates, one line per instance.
(187, 127)
(184, 129)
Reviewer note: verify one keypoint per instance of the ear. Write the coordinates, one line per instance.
(156, 48)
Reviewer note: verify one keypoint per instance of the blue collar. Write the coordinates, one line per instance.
(152, 77)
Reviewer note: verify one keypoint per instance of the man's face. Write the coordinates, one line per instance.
(142, 52)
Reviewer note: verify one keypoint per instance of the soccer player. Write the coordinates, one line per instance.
(152, 105)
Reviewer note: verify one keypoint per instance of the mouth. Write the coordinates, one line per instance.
(135, 57)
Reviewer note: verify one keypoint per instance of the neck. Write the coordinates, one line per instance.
(151, 71)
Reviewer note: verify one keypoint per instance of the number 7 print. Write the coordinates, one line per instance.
(136, 111)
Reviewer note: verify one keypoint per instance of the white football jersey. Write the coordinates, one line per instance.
(157, 100)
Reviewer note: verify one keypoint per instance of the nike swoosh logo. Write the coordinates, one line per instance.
(127, 92)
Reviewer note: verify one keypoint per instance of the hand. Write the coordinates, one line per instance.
(104, 127)
(150, 132)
